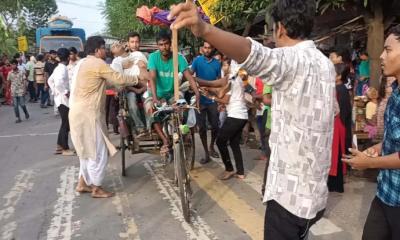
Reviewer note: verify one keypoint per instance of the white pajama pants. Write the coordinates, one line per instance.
(93, 170)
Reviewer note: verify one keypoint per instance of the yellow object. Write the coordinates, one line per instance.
(206, 5)
(22, 44)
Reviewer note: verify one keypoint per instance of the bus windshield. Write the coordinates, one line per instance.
(54, 43)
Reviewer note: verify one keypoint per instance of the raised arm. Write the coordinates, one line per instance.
(214, 84)
(237, 48)
(116, 78)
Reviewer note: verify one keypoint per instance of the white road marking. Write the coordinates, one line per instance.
(61, 223)
(8, 231)
(198, 229)
(121, 202)
(23, 183)
(28, 135)
(322, 227)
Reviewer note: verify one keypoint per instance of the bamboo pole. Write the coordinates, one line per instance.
(175, 63)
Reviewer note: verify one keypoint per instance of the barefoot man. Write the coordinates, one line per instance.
(87, 115)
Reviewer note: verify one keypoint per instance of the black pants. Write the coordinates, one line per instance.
(231, 131)
(64, 128)
(31, 90)
(210, 112)
(383, 222)
(280, 224)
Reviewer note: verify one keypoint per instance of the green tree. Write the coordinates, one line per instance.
(22, 17)
(121, 16)
(7, 44)
(240, 14)
(121, 19)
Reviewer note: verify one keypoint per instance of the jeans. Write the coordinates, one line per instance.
(382, 222)
(211, 113)
(280, 224)
(64, 128)
(31, 89)
(44, 94)
(134, 111)
(19, 101)
(231, 132)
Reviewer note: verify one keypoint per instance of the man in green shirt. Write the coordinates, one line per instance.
(161, 69)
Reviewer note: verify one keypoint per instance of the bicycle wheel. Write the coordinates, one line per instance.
(123, 149)
(190, 150)
(183, 179)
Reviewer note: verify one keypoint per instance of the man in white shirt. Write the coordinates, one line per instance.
(59, 85)
(303, 82)
(134, 93)
(31, 80)
(73, 61)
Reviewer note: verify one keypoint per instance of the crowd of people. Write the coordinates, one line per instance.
(298, 101)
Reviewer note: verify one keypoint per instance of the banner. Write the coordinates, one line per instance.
(22, 44)
(207, 5)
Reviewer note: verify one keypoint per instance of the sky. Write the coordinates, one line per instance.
(84, 14)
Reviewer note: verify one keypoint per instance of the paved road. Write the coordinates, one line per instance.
(37, 198)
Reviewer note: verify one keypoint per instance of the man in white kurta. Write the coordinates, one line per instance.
(87, 115)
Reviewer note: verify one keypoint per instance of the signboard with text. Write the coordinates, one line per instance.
(207, 5)
(22, 44)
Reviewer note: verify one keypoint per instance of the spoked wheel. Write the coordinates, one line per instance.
(183, 179)
(190, 150)
(123, 149)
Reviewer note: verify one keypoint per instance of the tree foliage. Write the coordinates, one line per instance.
(238, 14)
(22, 17)
(121, 19)
(121, 16)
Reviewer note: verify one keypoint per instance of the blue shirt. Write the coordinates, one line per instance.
(207, 70)
(389, 179)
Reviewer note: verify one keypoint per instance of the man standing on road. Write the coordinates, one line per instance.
(87, 115)
(16, 78)
(31, 81)
(383, 219)
(49, 67)
(59, 85)
(42, 93)
(303, 82)
(73, 61)
(207, 68)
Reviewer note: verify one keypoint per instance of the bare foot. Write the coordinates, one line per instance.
(83, 189)
(227, 175)
(241, 177)
(98, 192)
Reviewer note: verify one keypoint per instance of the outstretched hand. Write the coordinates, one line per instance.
(187, 16)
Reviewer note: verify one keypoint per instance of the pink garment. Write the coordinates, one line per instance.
(371, 130)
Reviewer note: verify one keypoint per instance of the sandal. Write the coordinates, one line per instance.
(227, 175)
(241, 177)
